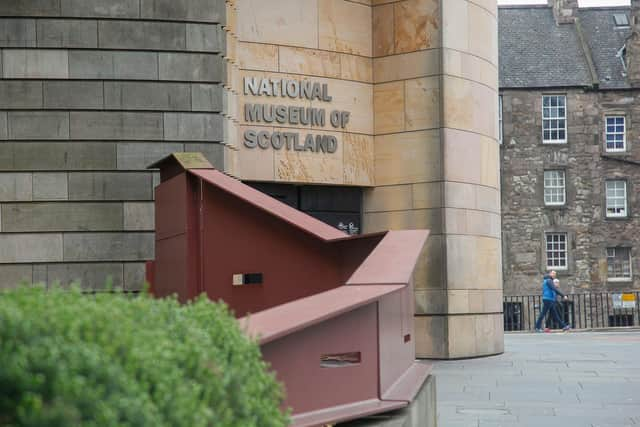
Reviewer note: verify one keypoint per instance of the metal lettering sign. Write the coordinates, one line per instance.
(278, 114)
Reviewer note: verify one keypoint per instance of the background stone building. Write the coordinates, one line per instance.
(570, 149)
(94, 91)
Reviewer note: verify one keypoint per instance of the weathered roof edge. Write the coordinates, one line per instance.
(286, 319)
(268, 204)
(274, 207)
(595, 80)
(393, 260)
(186, 160)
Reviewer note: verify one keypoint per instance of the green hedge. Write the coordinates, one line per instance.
(68, 359)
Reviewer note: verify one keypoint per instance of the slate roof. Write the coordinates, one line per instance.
(604, 42)
(537, 53)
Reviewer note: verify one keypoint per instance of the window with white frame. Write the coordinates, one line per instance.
(556, 250)
(615, 134)
(618, 264)
(554, 188)
(616, 198)
(554, 119)
(500, 119)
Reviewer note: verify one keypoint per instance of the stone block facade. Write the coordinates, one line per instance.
(91, 93)
(587, 166)
(419, 78)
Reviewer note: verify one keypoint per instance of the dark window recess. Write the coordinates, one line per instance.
(252, 278)
(339, 207)
(287, 194)
(340, 360)
(330, 199)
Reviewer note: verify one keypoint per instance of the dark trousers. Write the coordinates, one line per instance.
(549, 305)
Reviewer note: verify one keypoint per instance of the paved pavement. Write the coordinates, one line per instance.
(577, 379)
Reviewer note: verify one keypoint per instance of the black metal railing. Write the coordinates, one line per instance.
(581, 311)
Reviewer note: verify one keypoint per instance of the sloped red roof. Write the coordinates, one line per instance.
(269, 204)
(392, 260)
(387, 269)
(285, 319)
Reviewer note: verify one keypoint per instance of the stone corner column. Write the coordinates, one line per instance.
(437, 164)
(472, 319)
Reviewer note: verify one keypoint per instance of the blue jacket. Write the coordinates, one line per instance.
(549, 291)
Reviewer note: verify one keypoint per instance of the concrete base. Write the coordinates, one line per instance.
(421, 412)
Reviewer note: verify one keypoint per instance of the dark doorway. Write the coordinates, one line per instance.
(340, 207)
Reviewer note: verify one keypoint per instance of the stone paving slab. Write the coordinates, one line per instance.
(585, 379)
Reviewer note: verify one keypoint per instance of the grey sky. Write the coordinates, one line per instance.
(583, 3)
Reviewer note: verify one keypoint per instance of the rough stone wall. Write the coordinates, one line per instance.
(633, 46)
(524, 216)
(91, 93)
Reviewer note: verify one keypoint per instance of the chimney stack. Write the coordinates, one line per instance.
(635, 15)
(564, 11)
(632, 54)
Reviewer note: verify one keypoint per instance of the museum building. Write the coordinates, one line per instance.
(369, 115)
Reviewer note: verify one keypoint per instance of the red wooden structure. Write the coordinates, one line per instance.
(333, 313)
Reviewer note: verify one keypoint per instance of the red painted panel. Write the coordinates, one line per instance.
(353, 252)
(177, 238)
(268, 204)
(240, 239)
(393, 260)
(396, 355)
(171, 207)
(274, 323)
(408, 308)
(296, 361)
(171, 268)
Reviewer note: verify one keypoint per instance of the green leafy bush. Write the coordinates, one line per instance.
(68, 359)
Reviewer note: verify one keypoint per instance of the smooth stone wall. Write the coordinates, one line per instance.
(91, 93)
(436, 164)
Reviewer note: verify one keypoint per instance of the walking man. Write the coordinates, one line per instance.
(549, 295)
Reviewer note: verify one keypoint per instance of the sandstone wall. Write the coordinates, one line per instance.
(321, 41)
(437, 164)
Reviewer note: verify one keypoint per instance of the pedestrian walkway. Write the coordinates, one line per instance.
(576, 379)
